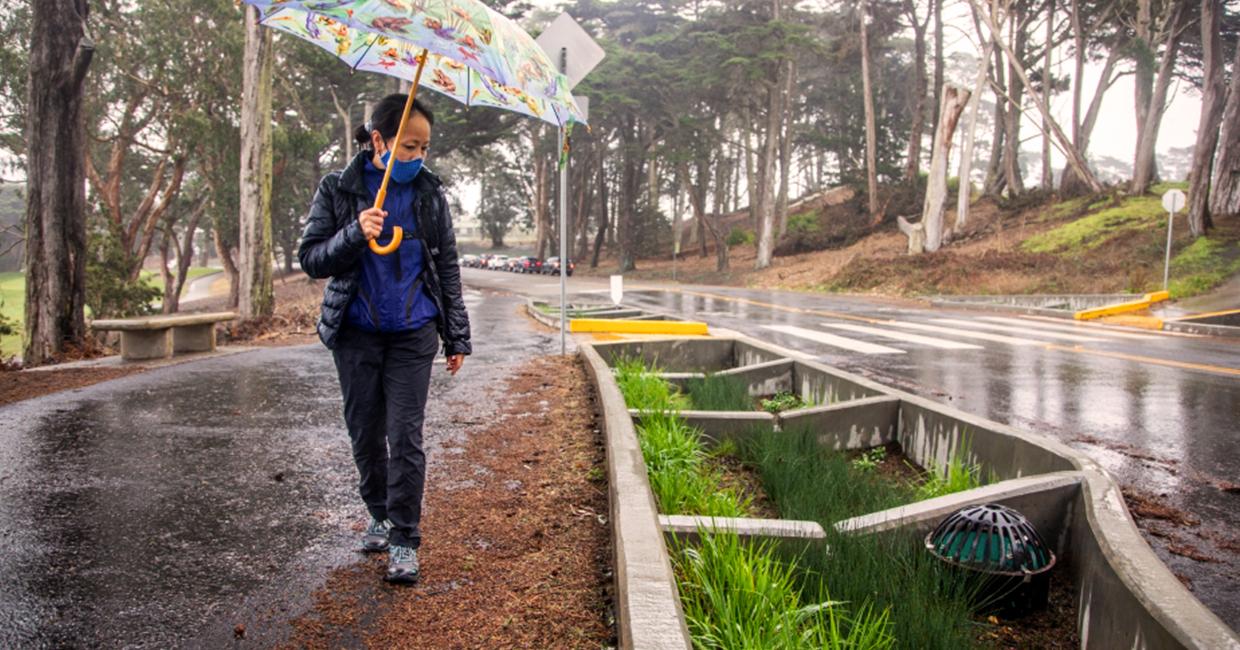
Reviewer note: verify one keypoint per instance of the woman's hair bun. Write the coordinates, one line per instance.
(362, 135)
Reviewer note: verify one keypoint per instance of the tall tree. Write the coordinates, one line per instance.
(1225, 189)
(871, 135)
(60, 55)
(256, 292)
(1151, 92)
(912, 166)
(1212, 96)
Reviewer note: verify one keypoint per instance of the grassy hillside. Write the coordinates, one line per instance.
(1101, 244)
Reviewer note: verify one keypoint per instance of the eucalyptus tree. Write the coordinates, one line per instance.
(61, 51)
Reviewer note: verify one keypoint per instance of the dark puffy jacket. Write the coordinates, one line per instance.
(332, 246)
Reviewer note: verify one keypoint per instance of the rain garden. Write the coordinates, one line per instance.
(847, 590)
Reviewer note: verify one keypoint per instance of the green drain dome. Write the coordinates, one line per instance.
(990, 538)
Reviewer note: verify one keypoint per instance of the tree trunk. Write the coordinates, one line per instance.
(167, 305)
(954, 101)
(1016, 89)
(256, 292)
(1144, 167)
(871, 131)
(55, 254)
(994, 169)
(939, 62)
(629, 188)
(785, 149)
(697, 202)
(1212, 95)
(1071, 183)
(912, 166)
(1225, 188)
(966, 154)
(603, 225)
(766, 180)
(230, 269)
(1048, 173)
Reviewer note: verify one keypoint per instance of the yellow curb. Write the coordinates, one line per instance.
(618, 326)
(1134, 320)
(1123, 307)
(1225, 312)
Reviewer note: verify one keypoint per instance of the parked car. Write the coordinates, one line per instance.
(497, 262)
(552, 266)
(483, 259)
(528, 264)
(469, 261)
(511, 264)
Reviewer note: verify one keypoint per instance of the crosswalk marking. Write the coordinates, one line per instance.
(833, 340)
(1012, 329)
(967, 334)
(1088, 329)
(942, 344)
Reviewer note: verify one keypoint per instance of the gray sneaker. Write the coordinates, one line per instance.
(375, 539)
(402, 565)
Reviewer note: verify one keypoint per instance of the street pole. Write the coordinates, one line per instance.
(1173, 201)
(1167, 263)
(563, 223)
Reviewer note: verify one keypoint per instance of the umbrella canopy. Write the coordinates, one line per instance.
(475, 55)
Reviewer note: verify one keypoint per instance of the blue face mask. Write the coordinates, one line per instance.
(403, 171)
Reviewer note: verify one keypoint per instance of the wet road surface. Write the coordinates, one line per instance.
(1161, 411)
(164, 508)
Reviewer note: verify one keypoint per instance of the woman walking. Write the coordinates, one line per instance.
(384, 316)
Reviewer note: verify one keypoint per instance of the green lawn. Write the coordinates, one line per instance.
(13, 302)
(13, 307)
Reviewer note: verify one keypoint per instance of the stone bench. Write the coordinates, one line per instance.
(157, 337)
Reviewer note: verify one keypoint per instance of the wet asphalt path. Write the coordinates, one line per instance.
(162, 509)
(1158, 410)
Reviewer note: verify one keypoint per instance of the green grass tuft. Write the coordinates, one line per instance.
(719, 393)
(739, 595)
(1097, 228)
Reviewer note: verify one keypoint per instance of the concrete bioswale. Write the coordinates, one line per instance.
(1127, 597)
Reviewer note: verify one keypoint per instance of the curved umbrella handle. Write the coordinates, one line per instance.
(390, 247)
(381, 195)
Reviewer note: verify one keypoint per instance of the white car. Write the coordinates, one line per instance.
(498, 262)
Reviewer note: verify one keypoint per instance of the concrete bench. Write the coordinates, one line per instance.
(157, 337)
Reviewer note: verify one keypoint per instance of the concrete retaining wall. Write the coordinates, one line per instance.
(1056, 302)
(648, 612)
(857, 424)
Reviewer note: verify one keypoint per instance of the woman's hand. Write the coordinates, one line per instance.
(372, 222)
(455, 361)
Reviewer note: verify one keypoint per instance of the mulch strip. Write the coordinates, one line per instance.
(16, 385)
(517, 555)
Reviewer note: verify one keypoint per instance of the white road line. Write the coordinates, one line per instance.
(942, 344)
(1089, 329)
(833, 340)
(1027, 331)
(970, 334)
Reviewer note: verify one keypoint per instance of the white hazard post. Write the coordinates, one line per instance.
(567, 44)
(1173, 201)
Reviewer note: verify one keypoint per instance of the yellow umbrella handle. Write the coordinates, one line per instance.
(381, 195)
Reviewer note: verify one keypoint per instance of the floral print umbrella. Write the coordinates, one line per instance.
(475, 55)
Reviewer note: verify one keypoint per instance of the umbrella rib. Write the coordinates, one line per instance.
(373, 39)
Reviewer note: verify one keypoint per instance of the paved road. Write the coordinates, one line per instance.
(161, 509)
(1161, 411)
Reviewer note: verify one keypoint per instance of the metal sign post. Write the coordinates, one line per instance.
(1173, 201)
(562, 38)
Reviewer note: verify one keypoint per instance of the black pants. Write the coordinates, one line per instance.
(385, 378)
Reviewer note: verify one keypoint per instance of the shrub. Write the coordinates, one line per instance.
(109, 291)
(738, 236)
